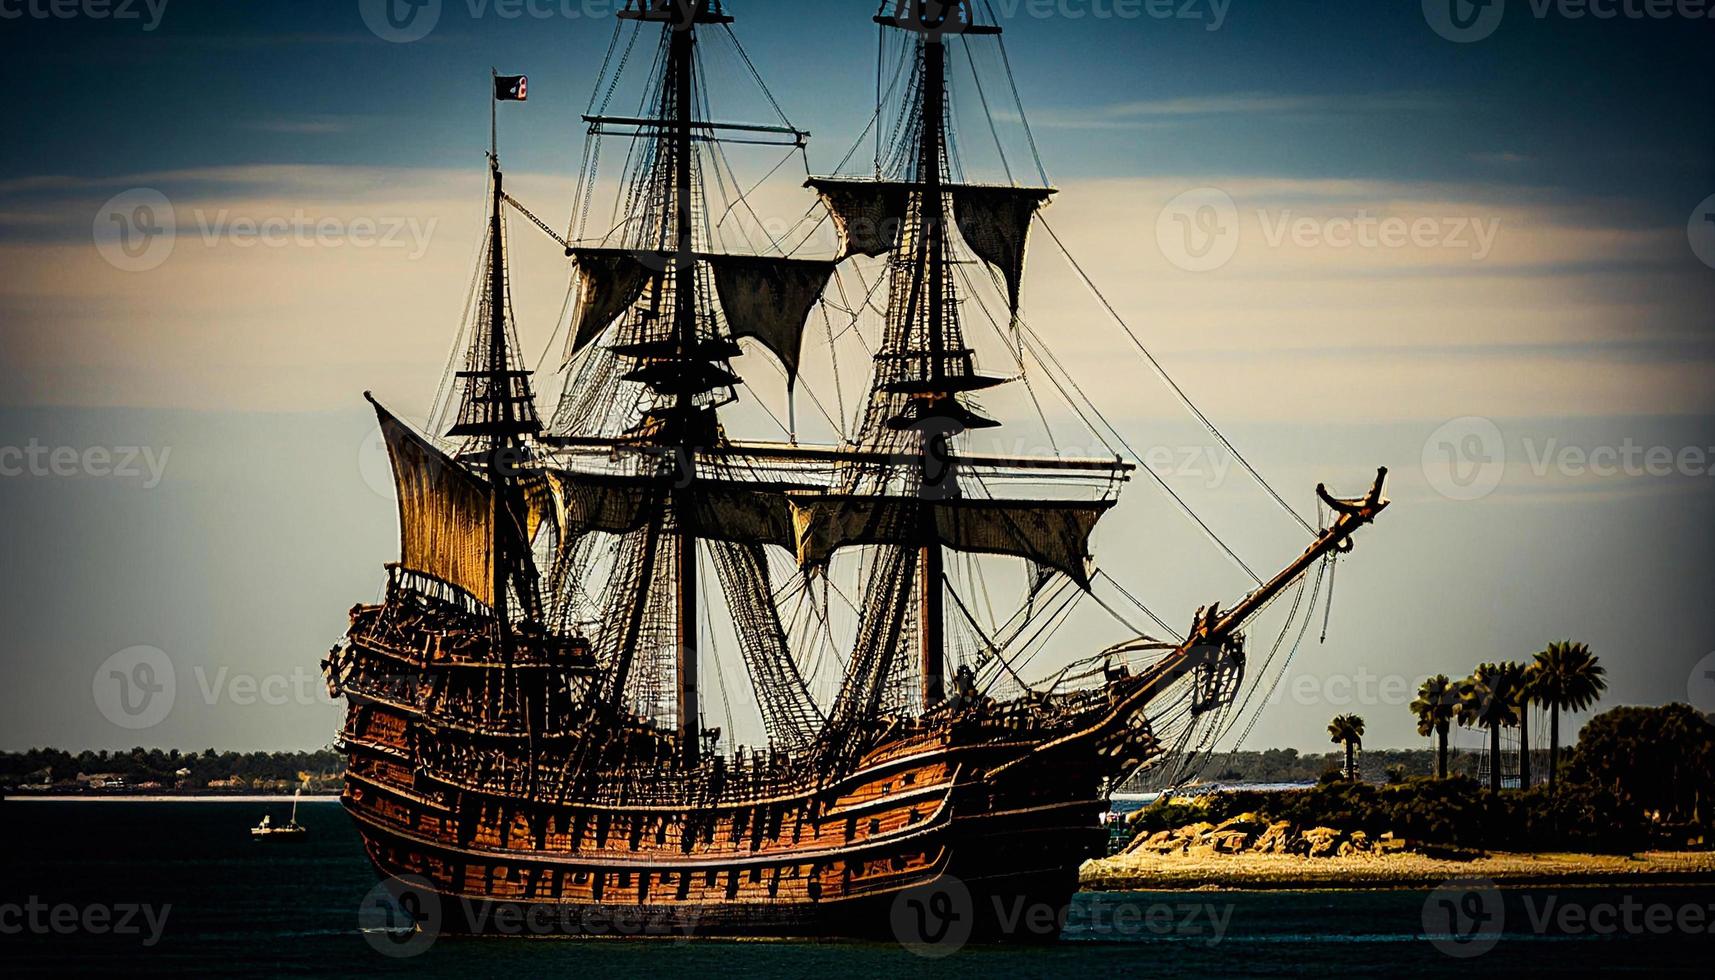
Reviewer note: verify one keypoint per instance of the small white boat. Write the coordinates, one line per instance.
(290, 831)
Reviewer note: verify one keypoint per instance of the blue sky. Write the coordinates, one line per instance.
(1588, 145)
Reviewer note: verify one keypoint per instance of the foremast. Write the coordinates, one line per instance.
(497, 415)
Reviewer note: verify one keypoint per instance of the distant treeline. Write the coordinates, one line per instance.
(171, 769)
(1288, 766)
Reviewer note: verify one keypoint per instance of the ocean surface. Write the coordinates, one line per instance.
(175, 888)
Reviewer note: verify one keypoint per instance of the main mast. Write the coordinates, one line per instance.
(937, 464)
(934, 412)
(682, 59)
(685, 373)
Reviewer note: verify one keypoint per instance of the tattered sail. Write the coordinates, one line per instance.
(993, 220)
(868, 214)
(770, 299)
(723, 510)
(446, 513)
(995, 223)
(1052, 533)
(609, 280)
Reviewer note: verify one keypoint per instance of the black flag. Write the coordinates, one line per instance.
(511, 88)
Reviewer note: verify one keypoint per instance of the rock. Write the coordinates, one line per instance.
(1322, 841)
(1360, 841)
(1244, 821)
(1160, 842)
(1229, 841)
(1194, 831)
(1277, 839)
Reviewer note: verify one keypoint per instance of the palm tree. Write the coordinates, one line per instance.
(1514, 684)
(1437, 698)
(1486, 701)
(1567, 676)
(1525, 695)
(1348, 729)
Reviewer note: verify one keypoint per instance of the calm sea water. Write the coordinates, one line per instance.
(238, 907)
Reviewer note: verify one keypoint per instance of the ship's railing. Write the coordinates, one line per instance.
(749, 777)
(424, 631)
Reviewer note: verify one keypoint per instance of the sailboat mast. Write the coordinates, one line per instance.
(936, 463)
(498, 380)
(681, 59)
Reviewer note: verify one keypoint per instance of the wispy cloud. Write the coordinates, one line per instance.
(1156, 113)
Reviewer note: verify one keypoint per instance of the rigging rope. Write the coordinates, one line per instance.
(1168, 380)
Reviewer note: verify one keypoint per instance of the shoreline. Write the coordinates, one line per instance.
(1360, 872)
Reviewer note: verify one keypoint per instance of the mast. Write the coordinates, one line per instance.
(937, 479)
(497, 412)
(685, 373)
(681, 57)
(496, 374)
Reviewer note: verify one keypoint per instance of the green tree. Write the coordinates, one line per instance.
(1437, 699)
(1661, 759)
(1349, 731)
(1512, 683)
(1568, 677)
(1486, 701)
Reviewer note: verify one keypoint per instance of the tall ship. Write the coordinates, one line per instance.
(530, 703)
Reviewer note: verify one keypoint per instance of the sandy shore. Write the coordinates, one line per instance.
(1151, 872)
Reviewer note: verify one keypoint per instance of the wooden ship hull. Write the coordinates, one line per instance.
(1001, 806)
